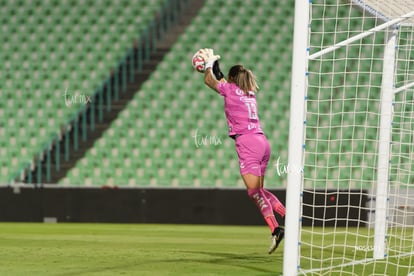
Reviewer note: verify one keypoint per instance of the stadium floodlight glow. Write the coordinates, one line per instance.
(351, 209)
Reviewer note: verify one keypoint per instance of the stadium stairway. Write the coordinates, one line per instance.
(59, 159)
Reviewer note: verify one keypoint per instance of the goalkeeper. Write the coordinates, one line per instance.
(252, 147)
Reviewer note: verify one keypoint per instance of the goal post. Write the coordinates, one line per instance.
(350, 207)
(386, 101)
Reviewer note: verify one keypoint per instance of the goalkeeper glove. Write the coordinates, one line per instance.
(211, 58)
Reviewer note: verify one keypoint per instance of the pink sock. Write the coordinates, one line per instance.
(264, 206)
(276, 204)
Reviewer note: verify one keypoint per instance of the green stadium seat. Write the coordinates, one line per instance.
(45, 48)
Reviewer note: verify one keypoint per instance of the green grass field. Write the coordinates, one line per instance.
(144, 249)
(135, 249)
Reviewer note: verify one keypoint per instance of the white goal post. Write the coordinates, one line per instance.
(352, 134)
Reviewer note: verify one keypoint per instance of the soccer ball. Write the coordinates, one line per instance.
(198, 62)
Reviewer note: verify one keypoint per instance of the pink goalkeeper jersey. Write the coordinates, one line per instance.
(240, 109)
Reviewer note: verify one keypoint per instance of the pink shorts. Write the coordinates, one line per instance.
(254, 153)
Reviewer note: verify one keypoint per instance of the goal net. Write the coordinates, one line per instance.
(350, 210)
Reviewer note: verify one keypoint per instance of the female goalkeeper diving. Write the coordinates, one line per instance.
(252, 147)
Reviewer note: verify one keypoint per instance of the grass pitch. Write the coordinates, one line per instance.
(136, 249)
(145, 249)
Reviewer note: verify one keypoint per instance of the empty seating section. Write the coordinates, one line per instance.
(52, 51)
(174, 133)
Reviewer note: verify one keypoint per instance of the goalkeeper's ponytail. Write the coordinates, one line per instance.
(244, 78)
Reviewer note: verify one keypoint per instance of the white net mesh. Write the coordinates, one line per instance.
(342, 143)
(387, 10)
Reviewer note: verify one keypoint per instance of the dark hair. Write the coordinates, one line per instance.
(244, 78)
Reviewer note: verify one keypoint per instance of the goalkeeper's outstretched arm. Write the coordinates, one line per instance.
(210, 80)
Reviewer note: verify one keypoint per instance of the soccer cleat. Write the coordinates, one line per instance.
(277, 237)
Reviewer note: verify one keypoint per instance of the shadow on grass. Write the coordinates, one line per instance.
(253, 264)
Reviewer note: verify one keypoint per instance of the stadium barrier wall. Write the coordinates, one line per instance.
(151, 205)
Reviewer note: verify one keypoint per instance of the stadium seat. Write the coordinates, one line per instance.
(53, 47)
